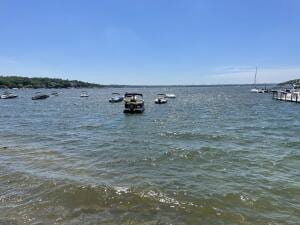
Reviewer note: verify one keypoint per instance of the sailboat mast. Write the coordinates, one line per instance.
(255, 78)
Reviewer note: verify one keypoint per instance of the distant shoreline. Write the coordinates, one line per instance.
(10, 82)
(43, 82)
(143, 86)
(197, 85)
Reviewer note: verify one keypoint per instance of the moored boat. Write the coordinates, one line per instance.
(39, 96)
(8, 95)
(255, 89)
(116, 97)
(161, 99)
(84, 94)
(258, 90)
(134, 103)
(170, 95)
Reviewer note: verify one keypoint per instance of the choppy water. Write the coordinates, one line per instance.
(213, 155)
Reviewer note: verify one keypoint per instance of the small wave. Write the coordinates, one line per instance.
(159, 197)
(55, 202)
(121, 190)
(194, 136)
(89, 126)
(180, 154)
(203, 153)
(93, 195)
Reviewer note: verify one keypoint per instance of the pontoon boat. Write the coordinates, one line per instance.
(134, 103)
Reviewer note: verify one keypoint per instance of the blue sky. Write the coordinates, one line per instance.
(151, 41)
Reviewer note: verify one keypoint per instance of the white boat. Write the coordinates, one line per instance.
(258, 90)
(8, 95)
(161, 99)
(84, 94)
(170, 95)
(116, 97)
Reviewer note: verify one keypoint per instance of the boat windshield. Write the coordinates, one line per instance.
(133, 97)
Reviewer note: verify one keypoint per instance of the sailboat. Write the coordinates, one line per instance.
(255, 90)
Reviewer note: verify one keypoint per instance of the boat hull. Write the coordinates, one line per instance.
(160, 101)
(8, 97)
(40, 97)
(115, 100)
(254, 90)
(170, 95)
(134, 108)
(130, 111)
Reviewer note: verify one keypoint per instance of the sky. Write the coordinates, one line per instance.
(151, 42)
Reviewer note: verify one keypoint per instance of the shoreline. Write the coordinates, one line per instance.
(144, 86)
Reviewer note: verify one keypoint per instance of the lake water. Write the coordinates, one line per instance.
(213, 155)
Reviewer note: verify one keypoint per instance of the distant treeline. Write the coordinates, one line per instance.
(41, 82)
(296, 81)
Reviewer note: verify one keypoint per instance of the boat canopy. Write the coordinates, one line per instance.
(132, 94)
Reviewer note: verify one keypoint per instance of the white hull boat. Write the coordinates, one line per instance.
(257, 90)
(84, 94)
(254, 90)
(8, 95)
(161, 99)
(116, 97)
(170, 95)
